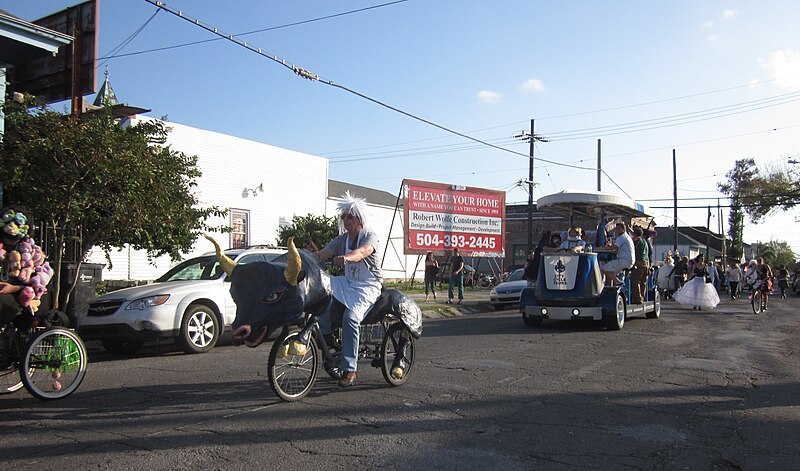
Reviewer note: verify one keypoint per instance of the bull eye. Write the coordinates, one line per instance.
(272, 297)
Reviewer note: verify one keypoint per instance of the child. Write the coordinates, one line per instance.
(763, 283)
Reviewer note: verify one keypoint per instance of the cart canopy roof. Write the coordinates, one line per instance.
(592, 204)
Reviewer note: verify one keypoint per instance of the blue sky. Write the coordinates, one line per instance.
(715, 80)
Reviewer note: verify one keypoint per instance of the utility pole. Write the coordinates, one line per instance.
(532, 138)
(674, 205)
(599, 166)
(708, 234)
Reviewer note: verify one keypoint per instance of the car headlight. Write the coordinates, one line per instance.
(493, 292)
(144, 303)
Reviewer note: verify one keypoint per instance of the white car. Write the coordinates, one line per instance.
(507, 293)
(191, 304)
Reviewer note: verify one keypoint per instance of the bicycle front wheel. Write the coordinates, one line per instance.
(54, 363)
(292, 367)
(9, 380)
(756, 302)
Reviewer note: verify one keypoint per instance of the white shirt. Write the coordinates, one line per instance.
(625, 249)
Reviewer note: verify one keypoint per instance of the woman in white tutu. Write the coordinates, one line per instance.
(696, 292)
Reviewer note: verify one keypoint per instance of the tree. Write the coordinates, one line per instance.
(775, 188)
(776, 253)
(97, 183)
(319, 229)
(737, 188)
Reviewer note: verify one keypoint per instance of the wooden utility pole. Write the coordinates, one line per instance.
(530, 188)
(708, 234)
(532, 138)
(599, 165)
(674, 205)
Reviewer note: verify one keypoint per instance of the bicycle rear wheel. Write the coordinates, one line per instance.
(54, 363)
(397, 354)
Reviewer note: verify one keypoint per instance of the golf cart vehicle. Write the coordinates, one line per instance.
(570, 285)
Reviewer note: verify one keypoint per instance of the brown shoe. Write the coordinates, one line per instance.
(348, 378)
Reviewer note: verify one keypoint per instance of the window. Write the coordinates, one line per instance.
(240, 228)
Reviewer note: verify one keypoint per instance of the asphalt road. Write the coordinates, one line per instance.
(693, 390)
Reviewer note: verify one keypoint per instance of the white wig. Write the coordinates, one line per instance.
(354, 205)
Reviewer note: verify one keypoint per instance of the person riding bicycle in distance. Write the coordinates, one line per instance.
(355, 250)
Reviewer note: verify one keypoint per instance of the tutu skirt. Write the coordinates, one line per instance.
(698, 293)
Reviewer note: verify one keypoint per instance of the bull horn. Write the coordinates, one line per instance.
(224, 261)
(295, 263)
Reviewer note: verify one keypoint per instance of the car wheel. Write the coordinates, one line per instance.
(200, 329)
(121, 347)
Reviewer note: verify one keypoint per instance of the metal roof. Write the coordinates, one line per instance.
(591, 204)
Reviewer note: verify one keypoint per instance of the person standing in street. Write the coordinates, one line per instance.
(431, 270)
(734, 276)
(641, 266)
(783, 280)
(456, 277)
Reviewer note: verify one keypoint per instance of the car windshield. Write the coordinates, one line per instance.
(516, 276)
(199, 268)
(207, 267)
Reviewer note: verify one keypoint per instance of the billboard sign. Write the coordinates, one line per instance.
(51, 78)
(440, 217)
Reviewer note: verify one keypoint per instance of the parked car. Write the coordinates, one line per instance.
(444, 274)
(507, 293)
(190, 303)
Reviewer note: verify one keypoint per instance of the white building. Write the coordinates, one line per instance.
(264, 187)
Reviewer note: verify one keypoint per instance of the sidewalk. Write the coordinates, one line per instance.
(475, 300)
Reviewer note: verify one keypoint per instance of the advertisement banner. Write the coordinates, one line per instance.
(440, 217)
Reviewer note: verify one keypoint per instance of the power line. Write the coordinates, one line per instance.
(272, 28)
(128, 40)
(678, 119)
(314, 77)
(665, 100)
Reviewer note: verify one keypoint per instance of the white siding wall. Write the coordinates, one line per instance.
(294, 184)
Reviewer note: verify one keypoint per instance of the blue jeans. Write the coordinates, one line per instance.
(458, 280)
(350, 333)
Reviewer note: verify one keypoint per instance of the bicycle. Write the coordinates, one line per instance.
(758, 300)
(295, 354)
(50, 362)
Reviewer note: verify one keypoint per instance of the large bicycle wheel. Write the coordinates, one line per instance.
(9, 379)
(755, 301)
(54, 363)
(398, 354)
(291, 372)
